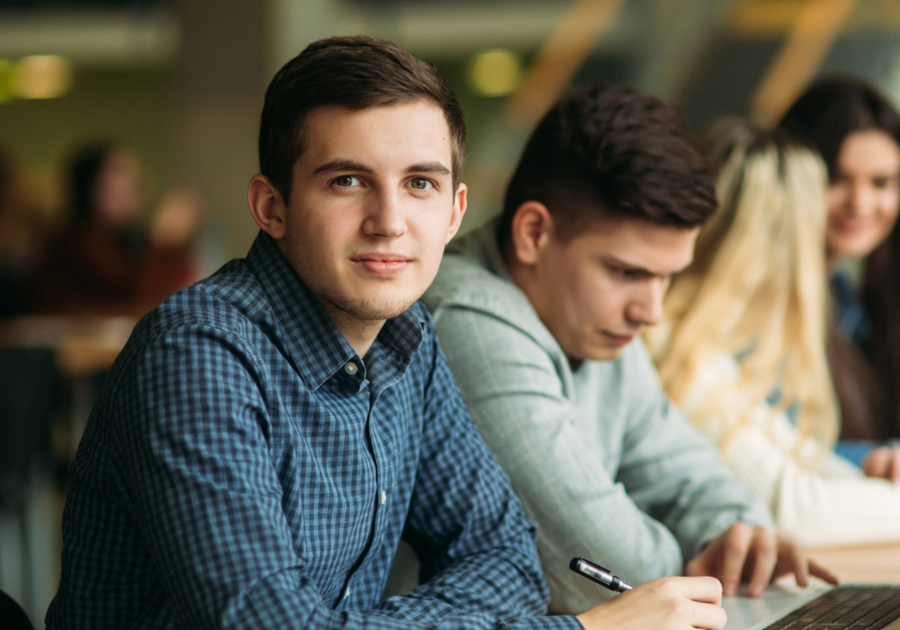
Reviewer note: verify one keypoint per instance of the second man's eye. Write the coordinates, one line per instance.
(346, 181)
(420, 183)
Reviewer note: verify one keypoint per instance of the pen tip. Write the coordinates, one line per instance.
(574, 563)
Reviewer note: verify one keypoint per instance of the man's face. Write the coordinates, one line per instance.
(372, 207)
(598, 291)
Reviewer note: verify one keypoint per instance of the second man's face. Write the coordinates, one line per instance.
(372, 207)
(598, 291)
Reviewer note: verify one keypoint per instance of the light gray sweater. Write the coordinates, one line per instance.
(604, 464)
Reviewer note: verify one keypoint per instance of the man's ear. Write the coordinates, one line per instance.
(459, 210)
(266, 206)
(531, 230)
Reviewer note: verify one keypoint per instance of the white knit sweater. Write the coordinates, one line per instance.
(833, 504)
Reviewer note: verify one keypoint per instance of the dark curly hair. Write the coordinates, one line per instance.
(610, 151)
(352, 72)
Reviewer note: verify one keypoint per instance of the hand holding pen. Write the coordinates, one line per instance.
(673, 603)
(598, 574)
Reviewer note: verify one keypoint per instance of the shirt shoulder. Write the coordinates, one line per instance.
(230, 305)
(229, 297)
(464, 281)
(466, 286)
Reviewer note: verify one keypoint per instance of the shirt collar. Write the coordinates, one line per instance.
(313, 341)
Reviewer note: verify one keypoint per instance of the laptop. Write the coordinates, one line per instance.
(846, 607)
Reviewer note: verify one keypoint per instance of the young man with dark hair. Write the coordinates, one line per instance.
(540, 313)
(267, 435)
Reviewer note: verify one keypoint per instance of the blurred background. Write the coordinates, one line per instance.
(159, 100)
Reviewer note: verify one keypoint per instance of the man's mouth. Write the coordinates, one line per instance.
(617, 339)
(382, 264)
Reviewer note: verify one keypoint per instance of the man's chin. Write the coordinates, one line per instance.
(605, 353)
(375, 308)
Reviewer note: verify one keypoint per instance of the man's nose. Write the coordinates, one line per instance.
(385, 216)
(647, 306)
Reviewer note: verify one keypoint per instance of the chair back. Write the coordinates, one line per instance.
(12, 617)
(28, 387)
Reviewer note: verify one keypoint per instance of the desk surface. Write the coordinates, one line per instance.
(872, 563)
(864, 564)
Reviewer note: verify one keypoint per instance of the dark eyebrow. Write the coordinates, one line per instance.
(342, 165)
(617, 262)
(429, 167)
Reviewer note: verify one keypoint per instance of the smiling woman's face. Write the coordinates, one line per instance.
(865, 194)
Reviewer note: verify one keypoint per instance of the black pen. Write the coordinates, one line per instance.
(598, 574)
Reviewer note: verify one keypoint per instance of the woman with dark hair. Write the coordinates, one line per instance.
(857, 132)
(95, 262)
(105, 260)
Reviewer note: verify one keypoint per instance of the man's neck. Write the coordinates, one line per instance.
(515, 269)
(360, 334)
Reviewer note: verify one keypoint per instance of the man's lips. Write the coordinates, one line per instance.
(619, 340)
(382, 264)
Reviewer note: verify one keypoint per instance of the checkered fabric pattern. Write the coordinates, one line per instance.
(245, 468)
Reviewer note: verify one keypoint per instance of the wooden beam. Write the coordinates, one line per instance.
(560, 58)
(812, 36)
(680, 44)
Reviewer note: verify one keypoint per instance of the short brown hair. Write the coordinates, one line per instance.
(607, 151)
(352, 72)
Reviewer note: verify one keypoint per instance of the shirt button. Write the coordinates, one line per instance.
(351, 368)
(347, 593)
(383, 497)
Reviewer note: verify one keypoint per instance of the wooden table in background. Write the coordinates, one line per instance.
(84, 347)
(866, 563)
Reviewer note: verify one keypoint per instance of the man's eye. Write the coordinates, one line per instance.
(345, 181)
(420, 183)
(628, 274)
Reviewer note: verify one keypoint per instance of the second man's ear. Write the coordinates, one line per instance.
(531, 229)
(267, 206)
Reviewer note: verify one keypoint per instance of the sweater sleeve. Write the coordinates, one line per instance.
(829, 504)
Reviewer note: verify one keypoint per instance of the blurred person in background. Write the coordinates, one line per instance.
(21, 237)
(857, 131)
(540, 313)
(742, 347)
(104, 260)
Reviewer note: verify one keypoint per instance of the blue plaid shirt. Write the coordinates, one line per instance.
(245, 468)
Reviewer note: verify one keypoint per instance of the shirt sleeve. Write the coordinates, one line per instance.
(675, 473)
(817, 505)
(515, 394)
(475, 544)
(854, 451)
(206, 497)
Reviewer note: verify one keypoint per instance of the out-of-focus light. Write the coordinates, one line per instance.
(42, 76)
(495, 72)
(6, 91)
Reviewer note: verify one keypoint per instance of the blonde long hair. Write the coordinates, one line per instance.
(756, 289)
